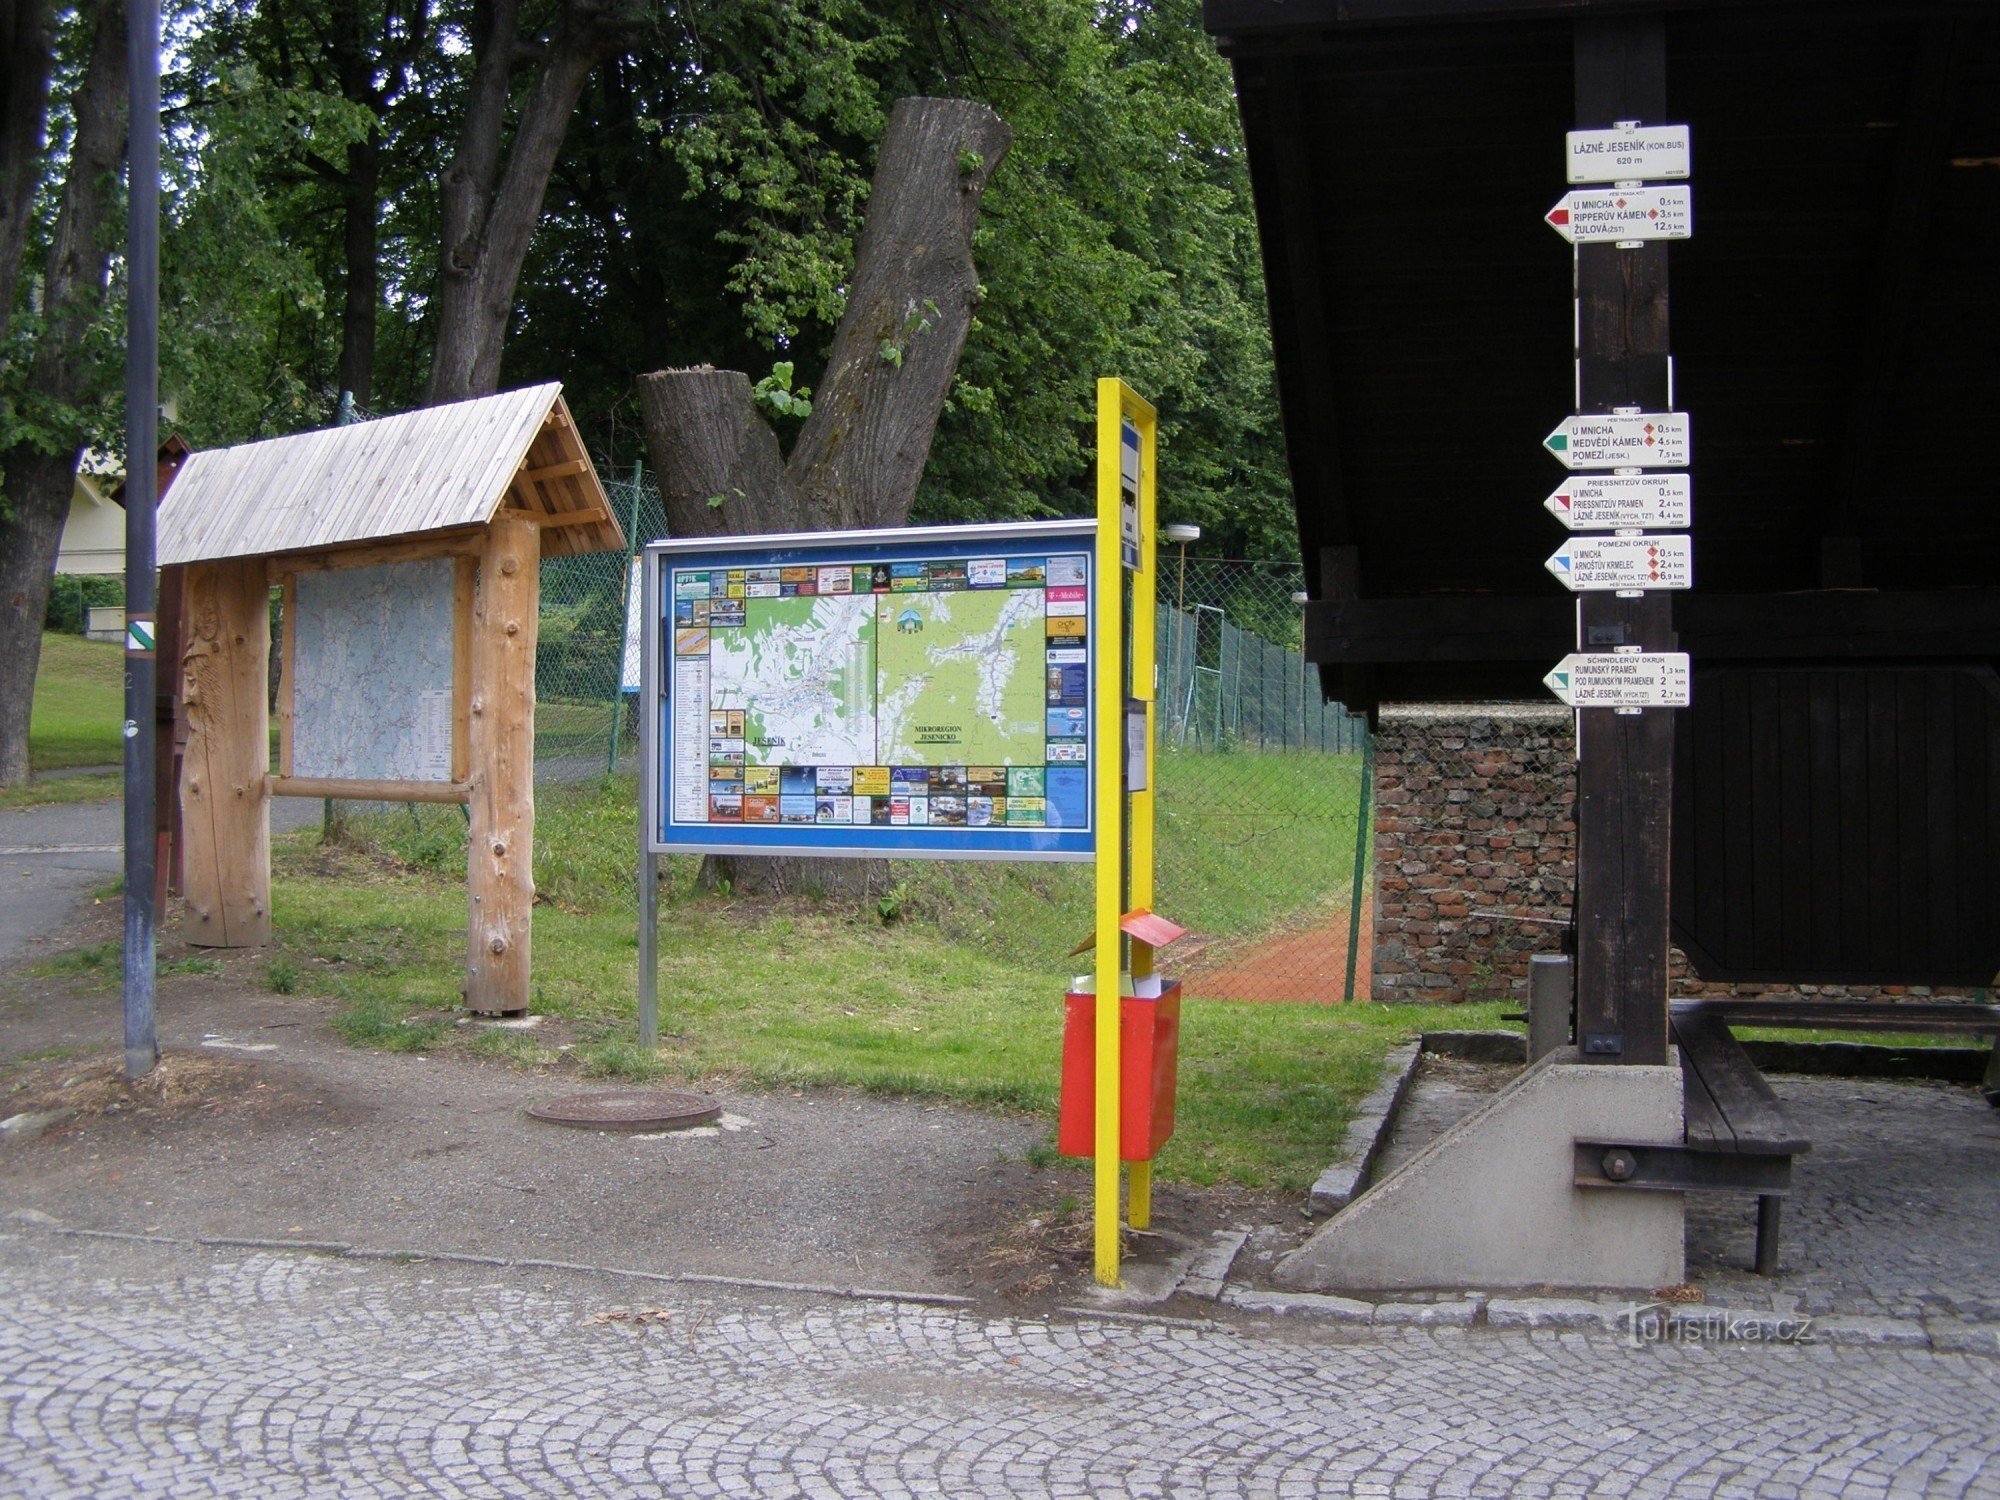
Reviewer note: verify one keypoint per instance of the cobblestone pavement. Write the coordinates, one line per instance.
(1892, 1214)
(130, 1368)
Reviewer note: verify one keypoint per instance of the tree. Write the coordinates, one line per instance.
(860, 456)
(66, 364)
(493, 188)
(27, 57)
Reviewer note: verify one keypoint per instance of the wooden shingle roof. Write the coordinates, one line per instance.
(438, 469)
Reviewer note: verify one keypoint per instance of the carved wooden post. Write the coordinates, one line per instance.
(225, 811)
(500, 863)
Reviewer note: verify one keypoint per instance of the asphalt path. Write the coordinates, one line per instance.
(52, 858)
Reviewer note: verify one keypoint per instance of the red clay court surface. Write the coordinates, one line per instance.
(1304, 966)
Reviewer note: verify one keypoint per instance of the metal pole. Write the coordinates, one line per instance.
(631, 562)
(1363, 803)
(142, 443)
(343, 415)
(649, 786)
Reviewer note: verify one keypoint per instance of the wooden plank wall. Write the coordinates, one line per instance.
(1839, 825)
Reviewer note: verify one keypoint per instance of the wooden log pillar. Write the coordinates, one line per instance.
(500, 861)
(225, 814)
(1625, 762)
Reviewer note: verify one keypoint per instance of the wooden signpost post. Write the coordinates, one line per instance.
(1625, 757)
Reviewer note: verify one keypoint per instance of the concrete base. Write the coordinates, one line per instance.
(1490, 1203)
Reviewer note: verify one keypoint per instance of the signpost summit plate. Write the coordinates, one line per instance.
(1639, 152)
(891, 693)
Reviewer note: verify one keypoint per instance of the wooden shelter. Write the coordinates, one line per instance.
(407, 550)
(1833, 792)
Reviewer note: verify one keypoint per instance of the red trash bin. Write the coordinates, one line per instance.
(1150, 1034)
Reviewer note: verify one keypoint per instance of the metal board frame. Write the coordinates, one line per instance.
(846, 548)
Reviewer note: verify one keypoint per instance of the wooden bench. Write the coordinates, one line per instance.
(1958, 1017)
(1729, 1109)
(1737, 1137)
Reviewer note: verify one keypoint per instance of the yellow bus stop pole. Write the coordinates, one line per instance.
(1145, 628)
(1107, 697)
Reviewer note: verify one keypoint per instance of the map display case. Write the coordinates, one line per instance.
(921, 692)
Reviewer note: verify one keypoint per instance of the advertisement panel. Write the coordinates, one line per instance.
(916, 693)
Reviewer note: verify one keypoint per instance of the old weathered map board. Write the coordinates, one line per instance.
(372, 672)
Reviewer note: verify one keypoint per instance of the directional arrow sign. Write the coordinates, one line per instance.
(1625, 679)
(1651, 152)
(1591, 564)
(1604, 216)
(1620, 502)
(1646, 440)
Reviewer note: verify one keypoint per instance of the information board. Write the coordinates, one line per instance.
(371, 672)
(913, 693)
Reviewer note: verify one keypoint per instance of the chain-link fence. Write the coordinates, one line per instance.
(586, 670)
(1263, 836)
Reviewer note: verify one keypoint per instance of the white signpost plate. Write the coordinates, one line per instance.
(1641, 440)
(1648, 152)
(1607, 216)
(1595, 564)
(1622, 502)
(1624, 679)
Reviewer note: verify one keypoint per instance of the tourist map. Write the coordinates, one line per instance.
(938, 692)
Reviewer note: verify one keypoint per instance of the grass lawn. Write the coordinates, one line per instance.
(805, 993)
(55, 791)
(79, 706)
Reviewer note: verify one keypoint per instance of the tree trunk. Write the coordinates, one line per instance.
(360, 234)
(31, 523)
(861, 454)
(27, 57)
(492, 202)
(36, 481)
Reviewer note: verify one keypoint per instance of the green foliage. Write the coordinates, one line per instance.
(891, 904)
(94, 958)
(377, 1021)
(72, 596)
(245, 311)
(774, 393)
(616, 1058)
(281, 976)
(704, 210)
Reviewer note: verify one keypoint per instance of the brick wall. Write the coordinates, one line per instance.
(1473, 814)
(1474, 829)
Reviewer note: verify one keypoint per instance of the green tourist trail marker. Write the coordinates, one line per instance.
(1622, 440)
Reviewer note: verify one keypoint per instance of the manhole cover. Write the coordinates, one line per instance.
(629, 1109)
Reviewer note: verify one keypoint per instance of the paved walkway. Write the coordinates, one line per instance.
(51, 858)
(131, 1368)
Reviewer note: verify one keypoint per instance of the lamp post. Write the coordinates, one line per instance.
(1180, 533)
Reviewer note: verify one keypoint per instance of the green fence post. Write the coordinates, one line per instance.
(618, 677)
(1363, 802)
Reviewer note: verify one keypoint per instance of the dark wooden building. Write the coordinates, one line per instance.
(1835, 340)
